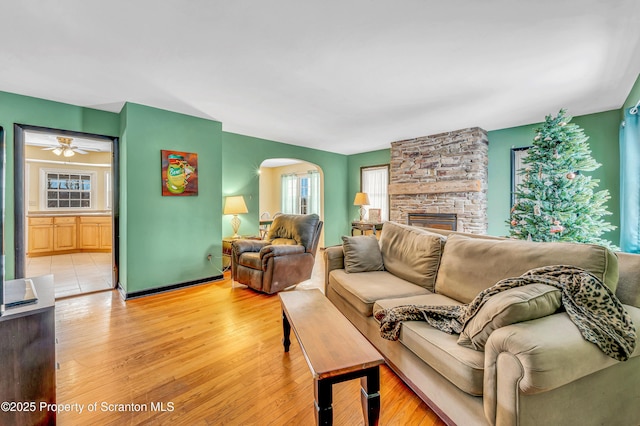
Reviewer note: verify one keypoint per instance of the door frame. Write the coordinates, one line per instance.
(19, 212)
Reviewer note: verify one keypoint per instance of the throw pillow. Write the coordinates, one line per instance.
(362, 254)
(411, 253)
(509, 307)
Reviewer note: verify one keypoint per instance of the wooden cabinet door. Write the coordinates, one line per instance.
(89, 236)
(40, 235)
(40, 238)
(64, 233)
(105, 236)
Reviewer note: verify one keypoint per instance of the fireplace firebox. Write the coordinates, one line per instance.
(447, 221)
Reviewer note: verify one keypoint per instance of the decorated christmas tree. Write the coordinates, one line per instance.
(556, 201)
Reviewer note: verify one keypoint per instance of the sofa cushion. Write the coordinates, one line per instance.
(283, 242)
(470, 265)
(411, 253)
(462, 366)
(363, 289)
(509, 307)
(362, 254)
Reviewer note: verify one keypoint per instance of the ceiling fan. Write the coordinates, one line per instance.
(65, 148)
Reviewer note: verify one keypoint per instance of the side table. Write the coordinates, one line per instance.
(226, 253)
(363, 227)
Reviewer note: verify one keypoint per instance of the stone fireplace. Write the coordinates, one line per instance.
(440, 176)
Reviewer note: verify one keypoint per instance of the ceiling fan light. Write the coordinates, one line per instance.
(57, 151)
(68, 152)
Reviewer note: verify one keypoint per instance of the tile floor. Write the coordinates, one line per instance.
(74, 274)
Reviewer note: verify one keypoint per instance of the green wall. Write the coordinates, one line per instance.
(372, 158)
(602, 129)
(634, 96)
(243, 156)
(18, 109)
(166, 240)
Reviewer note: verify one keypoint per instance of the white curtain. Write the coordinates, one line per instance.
(314, 192)
(290, 194)
(375, 182)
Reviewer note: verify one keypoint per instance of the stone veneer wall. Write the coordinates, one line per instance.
(444, 173)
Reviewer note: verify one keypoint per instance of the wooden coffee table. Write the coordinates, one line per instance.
(334, 349)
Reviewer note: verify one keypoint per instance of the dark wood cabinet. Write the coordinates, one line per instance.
(28, 367)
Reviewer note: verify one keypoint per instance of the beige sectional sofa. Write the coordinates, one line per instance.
(535, 372)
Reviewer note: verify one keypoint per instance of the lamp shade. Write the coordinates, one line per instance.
(362, 199)
(235, 205)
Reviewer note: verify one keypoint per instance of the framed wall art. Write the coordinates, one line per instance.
(179, 173)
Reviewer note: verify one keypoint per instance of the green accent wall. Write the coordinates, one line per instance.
(355, 161)
(602, 129)
(165, 240)
(19, 109)
(243, 156)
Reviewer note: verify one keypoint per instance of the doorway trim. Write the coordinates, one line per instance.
(19, 193)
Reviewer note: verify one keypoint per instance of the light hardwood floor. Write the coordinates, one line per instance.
(208, 355)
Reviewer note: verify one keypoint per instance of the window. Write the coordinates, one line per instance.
(67, 189)
(374, 180)
(301, 193)
(517, 164)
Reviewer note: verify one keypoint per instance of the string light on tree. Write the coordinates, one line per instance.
(556, 201)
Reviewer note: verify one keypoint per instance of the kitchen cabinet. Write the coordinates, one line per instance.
(95, 233)
(49, 235)
(64, 233)
(40, 235)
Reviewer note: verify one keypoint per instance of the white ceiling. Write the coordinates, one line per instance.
(345, 76)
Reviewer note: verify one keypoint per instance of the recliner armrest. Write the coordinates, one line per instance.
(280, 250)
(272, 251)
(241, 246)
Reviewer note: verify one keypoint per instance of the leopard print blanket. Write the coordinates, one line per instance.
(591, 305)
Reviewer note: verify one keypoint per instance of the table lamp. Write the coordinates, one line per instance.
(362, 199)
(235, 205)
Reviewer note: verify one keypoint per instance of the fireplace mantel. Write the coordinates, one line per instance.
(441, 187)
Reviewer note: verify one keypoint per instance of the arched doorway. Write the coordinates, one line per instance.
(289, 185)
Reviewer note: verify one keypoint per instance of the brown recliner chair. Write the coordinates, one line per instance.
(284, 258)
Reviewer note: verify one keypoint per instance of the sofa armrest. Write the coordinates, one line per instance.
(333, 259)
(538, 356)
